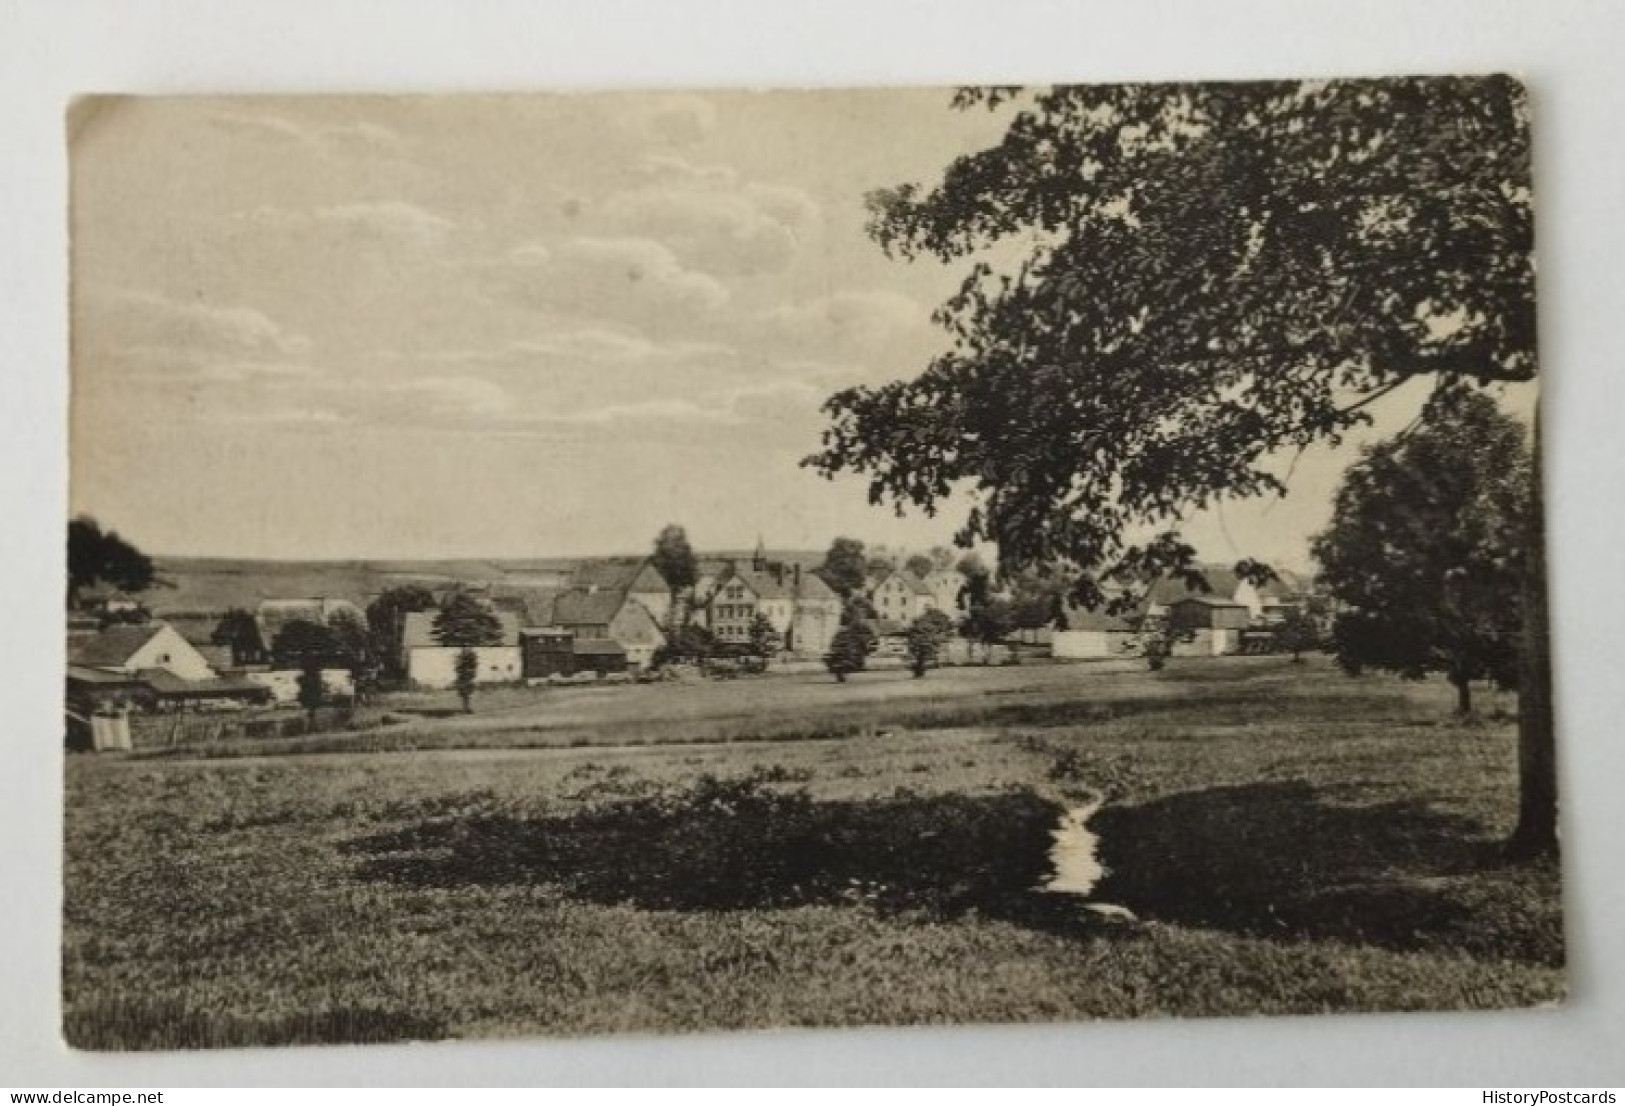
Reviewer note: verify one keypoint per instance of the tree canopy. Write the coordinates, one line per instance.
(466, 621)
(97, 556)
(302, 643)
(1209, 273)
(674, 558)
(1426, 550)
(239, 631)
(845, 567)
(386, 618)
(1168, 284)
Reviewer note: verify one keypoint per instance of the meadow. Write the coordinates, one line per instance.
(1289, 841)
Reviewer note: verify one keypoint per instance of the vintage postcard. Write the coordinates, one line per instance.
(578, 564)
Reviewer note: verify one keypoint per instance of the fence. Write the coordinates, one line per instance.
(163, 731)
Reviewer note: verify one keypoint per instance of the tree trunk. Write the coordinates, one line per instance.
(1464, 694)
(1536, 834)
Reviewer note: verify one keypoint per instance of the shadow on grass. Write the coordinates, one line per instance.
(1276, 860)
(1268, 860)
(735, 845)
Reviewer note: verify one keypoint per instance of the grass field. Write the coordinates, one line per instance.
(1291, 841)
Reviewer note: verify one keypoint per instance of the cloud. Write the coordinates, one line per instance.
(357, 135)
(376, 223)
(712, 219)
(631, 278)
(151, 336)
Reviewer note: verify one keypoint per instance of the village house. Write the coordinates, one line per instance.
(945, 586)
(149, 664)
(802, 609)
(430, 664)
(1083, 634)
(1207, 626)
(555, 651)
(599, 614)
(899, 597)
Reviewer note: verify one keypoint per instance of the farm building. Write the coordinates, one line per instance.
(554, 651)
(148, 665)
(1082, 634)
(900, 596)
(436, 666)
(614, 615)
(131, 648)
(1207, 626)
(417, 633)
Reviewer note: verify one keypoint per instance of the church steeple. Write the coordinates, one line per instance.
(759, 561)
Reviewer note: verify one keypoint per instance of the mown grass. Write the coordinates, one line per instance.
(1292, 843)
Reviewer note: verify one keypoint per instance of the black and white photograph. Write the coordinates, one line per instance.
(572, 564)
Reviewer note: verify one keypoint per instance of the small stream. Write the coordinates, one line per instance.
(1075, 853)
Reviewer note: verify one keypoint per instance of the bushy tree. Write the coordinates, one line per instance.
(467, 673)
(466, 621)
(845, 567)
(849, 650)
(674, 559)
(239, 631)
(765, 641)
(1426, 548)
(96, 557)
(920, 565)
(926, 637)
(302, 641)
(1207, 274)
(689, 642)
(355, 649)
(386, 616)
(1299, 632)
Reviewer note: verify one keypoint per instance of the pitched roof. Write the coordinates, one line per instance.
(583, 608)
(614, 574)
(99, 676)
(165, 682)
(1208, 601)
(112, 647)
(417, 629)
(650, 580)
(1082, 618)
(815, 590)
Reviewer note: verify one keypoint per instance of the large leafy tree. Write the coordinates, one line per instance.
(1426, 549)
(845, 567)
(466, 621)
(1204, 275)
(926, 637)
(239, 631)
(97, 556)
(301, 643)
(674, 559)
(386, 616)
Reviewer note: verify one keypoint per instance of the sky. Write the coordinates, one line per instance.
(514, 326)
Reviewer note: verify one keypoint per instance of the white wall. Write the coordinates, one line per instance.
(172, 653)
(436, 666)
(1090, 644)
(284, 683)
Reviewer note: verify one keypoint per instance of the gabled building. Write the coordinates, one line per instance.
(130, 649)
(900, 596)
(612, 615)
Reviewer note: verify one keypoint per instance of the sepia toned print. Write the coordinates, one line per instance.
(576, 564)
